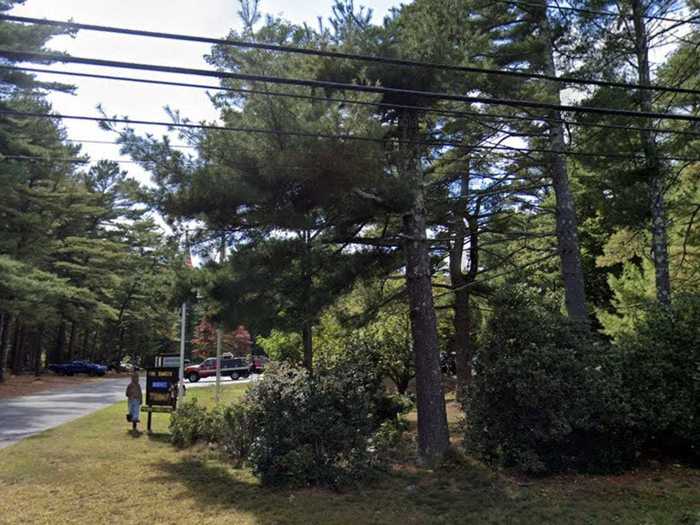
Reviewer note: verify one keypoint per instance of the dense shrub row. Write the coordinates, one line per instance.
(297, 429)
(548, 397)
(661, 372)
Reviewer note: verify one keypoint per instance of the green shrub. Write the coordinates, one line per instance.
(188, 424)
(237, 432)
(662, 374)
(191, 423)
(314, 429)
(546, 397)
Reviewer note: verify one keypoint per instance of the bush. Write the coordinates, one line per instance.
(546, 397)
(314, 429)
(187, 424)
(237, 432)
(662, 374)
(191, 423)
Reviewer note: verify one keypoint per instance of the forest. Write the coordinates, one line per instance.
(509, 183)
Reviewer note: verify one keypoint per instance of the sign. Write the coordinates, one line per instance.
(161, 387)
(168, 361)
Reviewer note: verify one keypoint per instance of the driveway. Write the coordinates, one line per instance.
(25, 416)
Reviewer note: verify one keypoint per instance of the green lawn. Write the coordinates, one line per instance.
(93, 471)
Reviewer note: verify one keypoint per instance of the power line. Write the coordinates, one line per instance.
(345, 56)
(115, 143)
(443, 112)
(67, 160)
(338, 137)
(692, 20)
(325, 84)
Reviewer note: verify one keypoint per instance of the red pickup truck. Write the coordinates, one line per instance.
(234, 368)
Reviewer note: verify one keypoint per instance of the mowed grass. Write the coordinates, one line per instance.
(93, 471)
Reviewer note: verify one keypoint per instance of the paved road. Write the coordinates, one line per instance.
(24, 416)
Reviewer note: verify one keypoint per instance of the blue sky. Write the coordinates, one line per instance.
(201, 17)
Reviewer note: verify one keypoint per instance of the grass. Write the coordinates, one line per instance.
(93, 471)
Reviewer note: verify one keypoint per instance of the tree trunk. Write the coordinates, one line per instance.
(307, 338)
(433, 436)
(460, 282)
(57, 355)
(462, 341)
(84, 344)
(120, 345)
(307, 327)
(17, 349)
(655, 170)
(402, 384)
(6, 325)
(38, 350)
(566, 220)
(93, 347)
(71, 341)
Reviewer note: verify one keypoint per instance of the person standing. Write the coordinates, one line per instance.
(134, 396)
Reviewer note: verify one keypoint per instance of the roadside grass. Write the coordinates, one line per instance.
(93, 471)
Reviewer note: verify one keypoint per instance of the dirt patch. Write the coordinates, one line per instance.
(26, 385)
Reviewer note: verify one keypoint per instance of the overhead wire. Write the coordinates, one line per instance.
(343, 86)
(341, 100)
(340, 55)
(598, 12)
(303, 134)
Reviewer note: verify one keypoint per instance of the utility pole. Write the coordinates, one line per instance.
(181, 378)
(183, 332)
(219, 329)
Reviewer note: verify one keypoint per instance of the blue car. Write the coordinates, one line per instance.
(79, 367)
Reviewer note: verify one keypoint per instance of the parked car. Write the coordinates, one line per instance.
(78, 367)
(234, 368)
(258, 364)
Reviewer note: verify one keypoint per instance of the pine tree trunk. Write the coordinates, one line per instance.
(84, 344)
(5, 329)
(307, 338)
(433, 435)
(460, 283)
(93, 347)
(307, 327)
(71, 341)
(120, 345)
(566, 220)
(655, 170)
(59, 346)
(38, 350)
(17, 349)
(462, 341)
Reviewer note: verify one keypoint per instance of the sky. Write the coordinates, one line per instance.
(211, 18)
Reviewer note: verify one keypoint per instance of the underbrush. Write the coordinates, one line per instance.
(548, 397)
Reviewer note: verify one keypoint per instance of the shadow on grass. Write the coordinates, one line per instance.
(159, 437)
(452, 493)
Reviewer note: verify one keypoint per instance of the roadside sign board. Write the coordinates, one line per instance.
(161, 387)
(168, 361)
